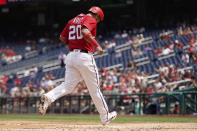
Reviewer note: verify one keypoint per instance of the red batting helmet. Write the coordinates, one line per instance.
(97, 10)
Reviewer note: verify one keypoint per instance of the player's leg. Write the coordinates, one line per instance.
(89, 73)
(72, 78)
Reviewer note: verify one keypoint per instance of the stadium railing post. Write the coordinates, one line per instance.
(89, 102)
(79, 104)
(167, 103)
(1, 104)
(140, 106)
(116, 101)
(52, 110)
(35, 102)
(195, 95)
(182, 103)
(19, 104)
(12, 104)
(61, 105)
(70, 103)
(28, 104)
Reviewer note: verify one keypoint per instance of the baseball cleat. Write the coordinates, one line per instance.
(111, 116)
(44, 105)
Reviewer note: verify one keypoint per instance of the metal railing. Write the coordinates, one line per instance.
(136, 103)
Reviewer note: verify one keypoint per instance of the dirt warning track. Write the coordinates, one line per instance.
(93, 126)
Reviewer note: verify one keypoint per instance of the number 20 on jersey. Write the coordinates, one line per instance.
(75, 32)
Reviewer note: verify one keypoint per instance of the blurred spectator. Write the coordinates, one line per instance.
(187, 31)
(150, 89)
(26, 90)
(163, 69)
(132, 65)
(195, 41)
(47, 84)
(3, 88)
(37, 84)
(166, 51)
(28, 48)
(135, 42)
(191, 40)
(153, 107)
(171, 45)
(31, 71)
(147, 48)
(164, 35)
(118, 54)
(17, 81)
(4, 59)
(51, 76)
(129, 41)
(10, 79)
(158, 50)
(105, 44)
(179, 44)
(194, 56)
(31, 85)
(142, 30)
(62, 57)
(124, 34)
(117, 35)
(176, 109)
(193, 84)
(15, 91)
(39, 91)
(4, 79)
(43, 40)
(180, 31)
(140, 38)
(136, 52)
(191, 49)
(138, 110)
(185, 58)
(9, 56)
(158, 85)
(112, 44)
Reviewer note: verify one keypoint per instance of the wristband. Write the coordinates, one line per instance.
(87, 36)
(93, 41)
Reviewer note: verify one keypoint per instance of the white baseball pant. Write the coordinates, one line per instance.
(81, 66)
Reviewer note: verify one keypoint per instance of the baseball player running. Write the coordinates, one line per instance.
(80, 34)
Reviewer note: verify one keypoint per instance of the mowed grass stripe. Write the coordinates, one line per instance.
(65, 118)
(95, 118)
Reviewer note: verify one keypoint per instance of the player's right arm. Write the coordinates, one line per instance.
(63, 39)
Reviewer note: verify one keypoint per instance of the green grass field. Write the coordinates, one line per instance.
(95, 118)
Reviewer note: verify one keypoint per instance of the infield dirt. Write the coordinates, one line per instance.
(93, 126)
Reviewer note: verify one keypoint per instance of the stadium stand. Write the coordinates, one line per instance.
(156, 61)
